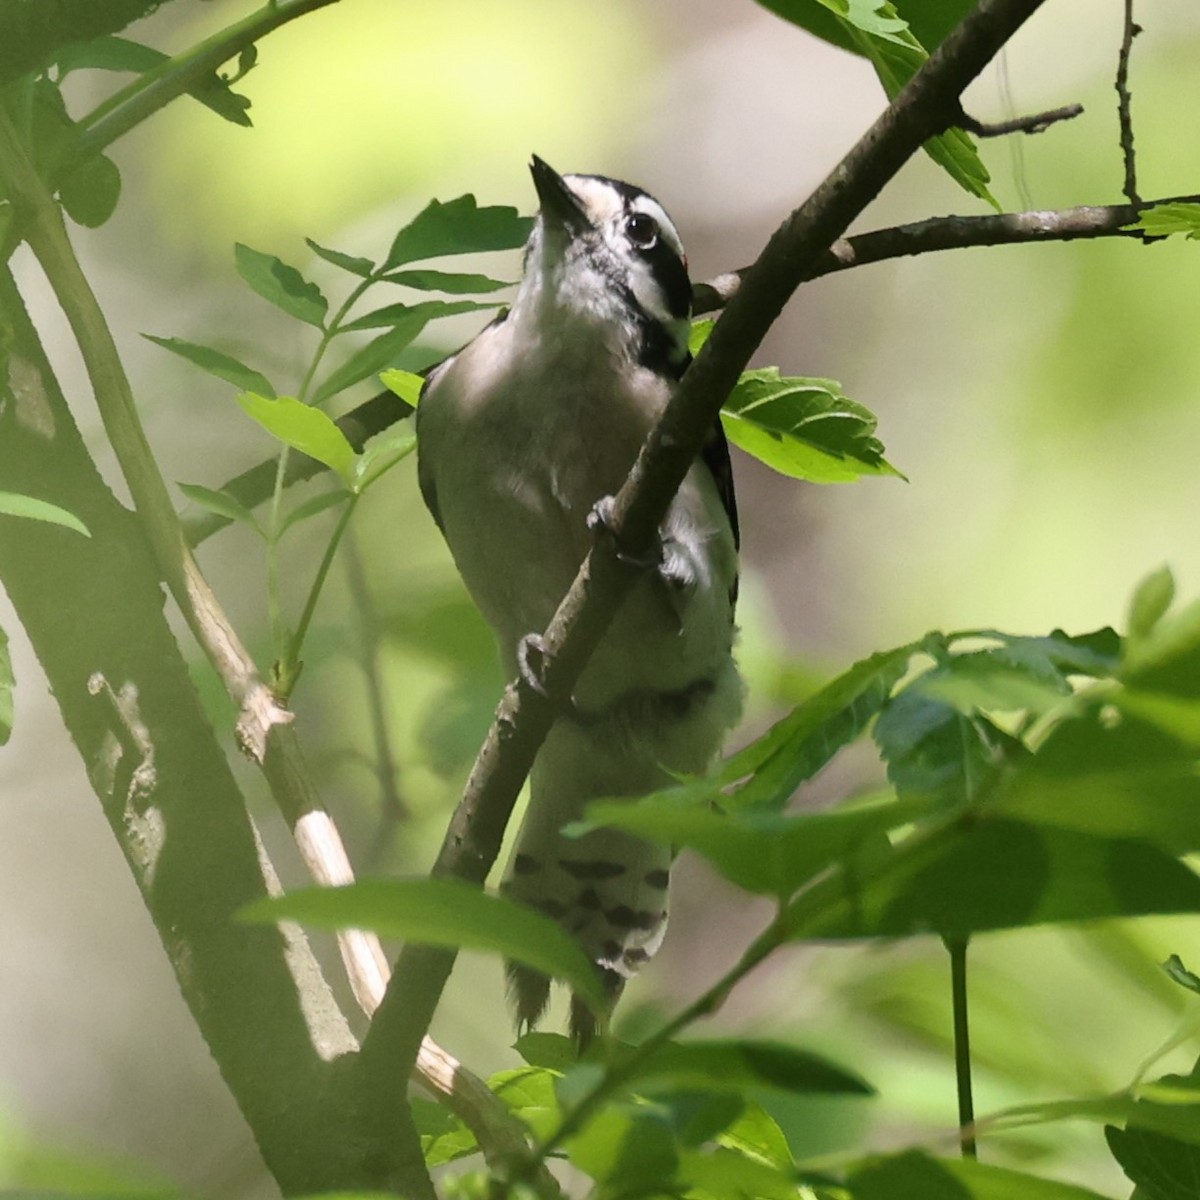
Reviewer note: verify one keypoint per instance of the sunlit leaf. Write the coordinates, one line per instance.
(282, 285)
(1163, 220)
(457, 226)
(218, 363)
(33, 509)
(405, 384)
(805, 428)
(723, 1173)
(304, 428)
(444, 1137)
(442, 912)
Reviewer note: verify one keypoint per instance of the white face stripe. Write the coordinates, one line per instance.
(605, 206)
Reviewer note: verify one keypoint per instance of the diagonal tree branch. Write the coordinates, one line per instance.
(925, 107)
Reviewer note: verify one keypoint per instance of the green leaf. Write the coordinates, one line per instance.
(220, 502)
(723, 1173)
(282, 285)
(805, 428)
(745, 1063)
(446, 281)
(108, 53)
(799, 745)
(442, 912)
(896, 47)
(427, 310)
(763, 852)
(550, 1050)
(444, 1137)
(1150, 603)
(304, 428)
(756, 1133)
(7, 684)
(311, 507)
(1123, 780)
(362, 267)
(458, 226)
(699, 333)
(1181, 975)
(629, 1147)
(985, 874)
(14, 505)
(1162, 1167)
(913, 1175)
(934, 751)
(217, 363)
(405, 384)
(1166, 659)
(1163, 220)
(372, 358)
(382, 453)
(89, 191)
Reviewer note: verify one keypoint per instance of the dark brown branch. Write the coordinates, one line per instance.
(952, 233)
(1124, 116)
(1035, 123)
(927, 106)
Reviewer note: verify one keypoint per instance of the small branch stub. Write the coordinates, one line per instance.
(1034, 123)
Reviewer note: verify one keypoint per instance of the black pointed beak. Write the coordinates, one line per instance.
(560, 206)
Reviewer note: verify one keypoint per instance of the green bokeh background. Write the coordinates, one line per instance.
(1044, 403)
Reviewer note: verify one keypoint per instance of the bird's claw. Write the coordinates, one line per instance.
(600, 525)
(532, 654)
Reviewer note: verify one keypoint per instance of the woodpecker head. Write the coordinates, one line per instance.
(606, 251)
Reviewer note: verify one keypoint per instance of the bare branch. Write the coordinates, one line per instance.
(927, 106)
(1035, 123)
(1124, 116)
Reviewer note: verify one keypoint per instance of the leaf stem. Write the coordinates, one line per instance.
(957, 948)
(290, 669)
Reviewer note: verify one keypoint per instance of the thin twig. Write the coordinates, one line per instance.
(1129, 32)
(924, 108)
(1034, 123)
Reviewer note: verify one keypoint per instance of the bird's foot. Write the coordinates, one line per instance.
(600, 525)
(532, 655)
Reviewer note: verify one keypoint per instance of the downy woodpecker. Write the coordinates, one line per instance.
(521, 435)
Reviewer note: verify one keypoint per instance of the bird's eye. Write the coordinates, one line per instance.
(642, 230)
